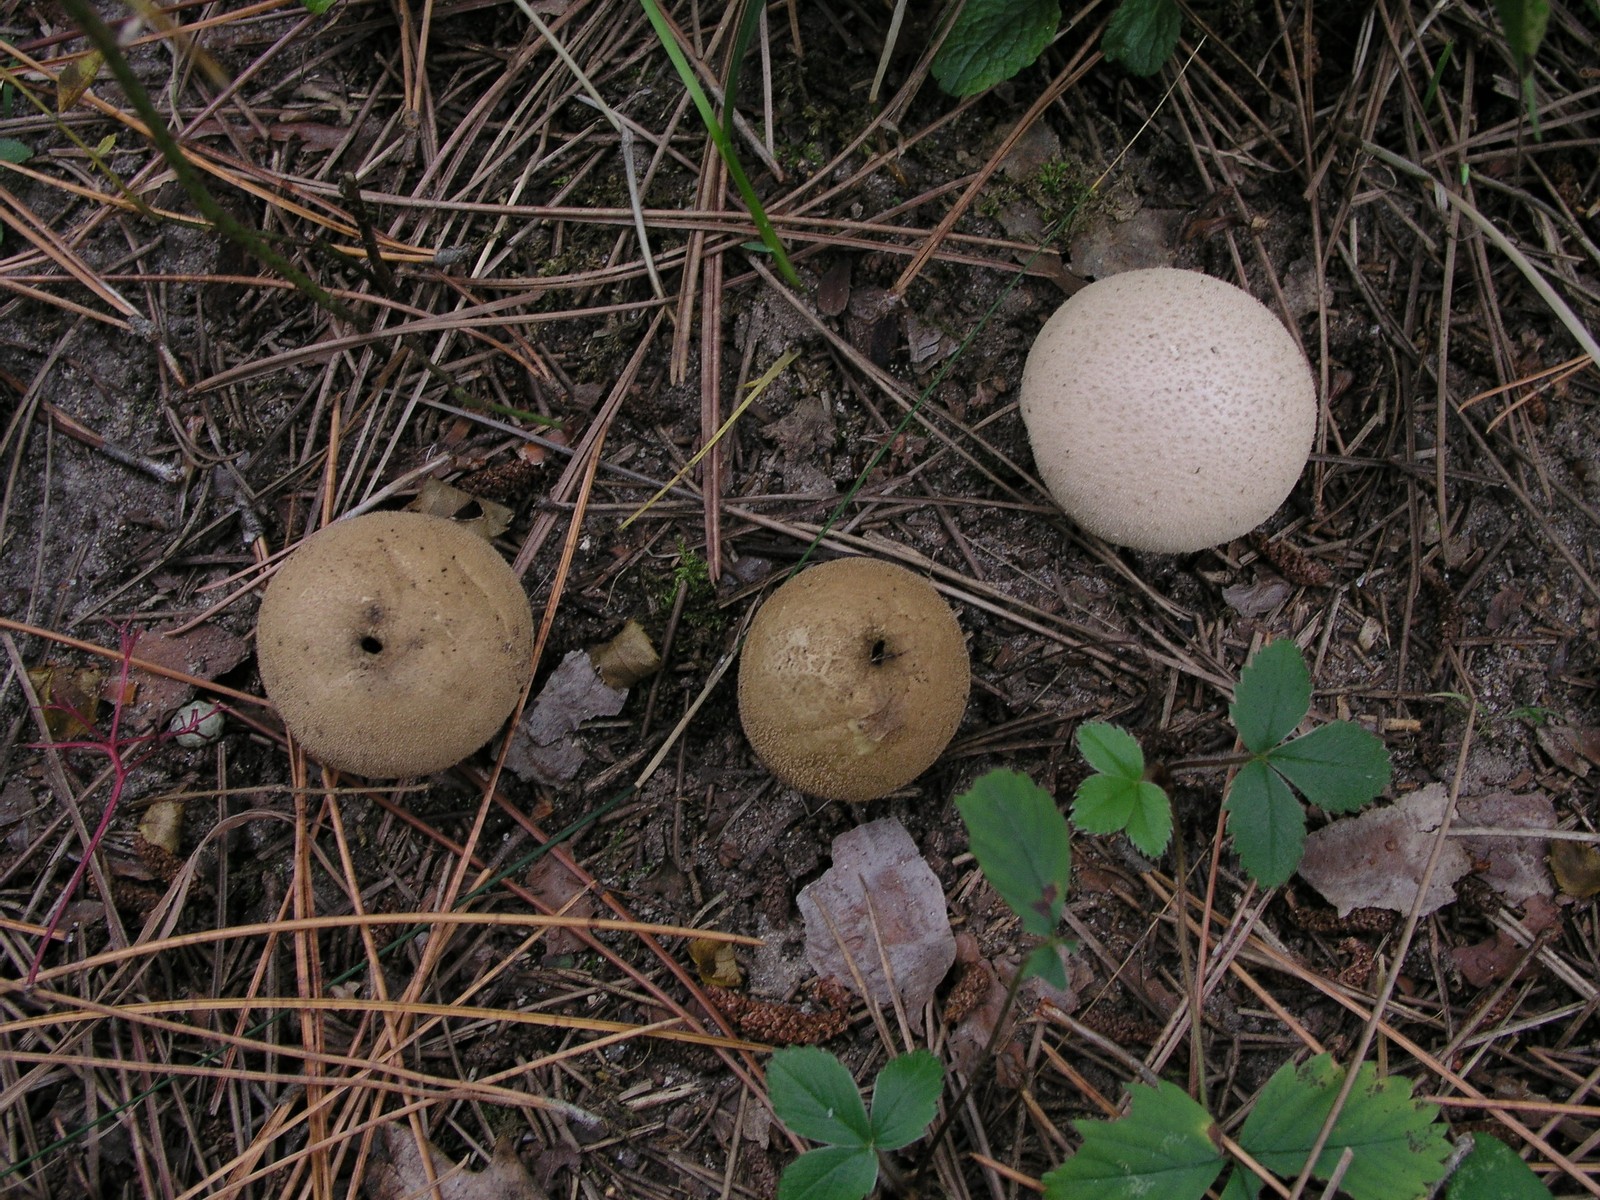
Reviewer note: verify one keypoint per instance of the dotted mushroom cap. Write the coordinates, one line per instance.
(853, 679)
(1168, 410)
(394, 644)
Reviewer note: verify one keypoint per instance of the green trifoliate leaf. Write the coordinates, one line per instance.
(1492, 1171)
(1022, 844)
(905, 1099)
(1266, 823)
(1142, 34)
(991, 41)
(1111, 750)
(831, 1173)
(1273, 696)
(1162, 1148)
(1339, 766)
(1398, 1146)
(814, 1096)
(1105, 804)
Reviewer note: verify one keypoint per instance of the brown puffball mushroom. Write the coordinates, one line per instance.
(1168, 410)
(394, 644)
(853, 679)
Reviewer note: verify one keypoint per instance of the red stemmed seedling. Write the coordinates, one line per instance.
(125, 756)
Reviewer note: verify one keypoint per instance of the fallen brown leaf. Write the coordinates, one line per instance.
(403, 1175)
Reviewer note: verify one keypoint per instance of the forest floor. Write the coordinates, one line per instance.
(241, 998)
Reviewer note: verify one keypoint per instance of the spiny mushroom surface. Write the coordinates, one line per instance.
(394, 644)
(1168, 410)
(853, 679)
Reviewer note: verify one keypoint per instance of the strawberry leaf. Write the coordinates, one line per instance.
(1273, 696)
(1266, 823)
(831, 1173)
(1339, 766)
(1492, 1171)
(905, 1099)
(1163, 1147)
(1398, 1146)
(814, 1096)
(1111, 751)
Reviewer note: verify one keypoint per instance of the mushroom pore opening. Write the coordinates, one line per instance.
(371, 644)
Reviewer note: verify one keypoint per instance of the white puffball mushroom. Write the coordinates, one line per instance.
(853, 679)
(198, 723)
(1169, 411)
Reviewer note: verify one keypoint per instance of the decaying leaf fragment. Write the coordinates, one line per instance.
(1376, 860)
(441, 500)
(715, 962)
(588, 683)
(1576, 866)
(879, 891)
(402, 1175)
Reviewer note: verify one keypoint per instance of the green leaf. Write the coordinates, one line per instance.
(316, 7)
(1142, 34)
(1399, 1147)
(1111, 750)
(1022, 844)
(13, 151)
(831, 1173)
(1524, 22)
(1273, 696)
(1150, 822)
(1104, 804)
(905, 1099)
(1242, 1185)
(815, 1097)
(1268, 828)
(1044, 962)
(991, 41)
(1492, 1171)
(1162, 1148)
(1339, 766)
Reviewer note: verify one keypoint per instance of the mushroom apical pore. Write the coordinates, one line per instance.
(1168, 410)
(853, 679)
(394, 644)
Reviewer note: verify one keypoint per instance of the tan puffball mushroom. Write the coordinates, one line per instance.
(853, 679)
(1168, 410)
(394, 644)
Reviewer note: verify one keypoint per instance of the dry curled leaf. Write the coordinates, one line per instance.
(627, 658)
(542, 746)
(477, 513)
(715, 962)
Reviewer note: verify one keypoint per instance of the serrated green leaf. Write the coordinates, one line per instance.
(1111, 750)
(814, 1096)
(1339, 766)
(1044, 962)
(1104, 804)
(1150, 823)
(1398, 1146)
(831, 1173)
(1142, 34)
(1492, 1171)
(1022, 844)
(991, 41)
(1162, 1148)
(13, 151)
(1273, 696)
(1265, 821)
(905, 1099)
(1524, 23)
